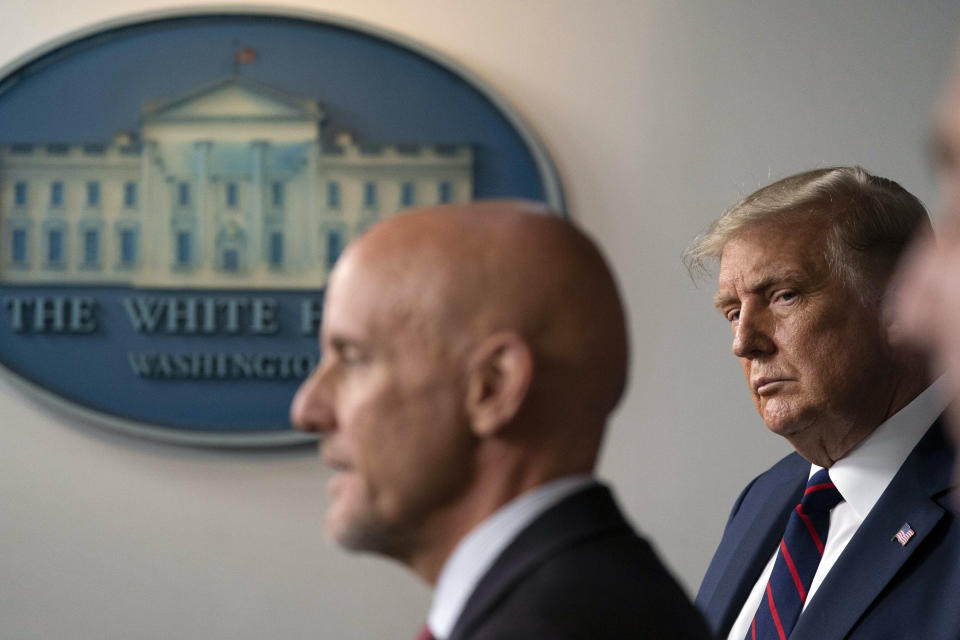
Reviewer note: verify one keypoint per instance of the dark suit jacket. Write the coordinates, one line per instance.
(578, 571)
(878, 589)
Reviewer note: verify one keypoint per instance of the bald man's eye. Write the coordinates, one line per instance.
(347, 353)
(732, 315)
(351, 354)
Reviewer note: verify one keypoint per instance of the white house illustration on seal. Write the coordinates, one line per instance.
(232, 185)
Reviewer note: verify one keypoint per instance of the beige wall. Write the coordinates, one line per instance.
(659, 114)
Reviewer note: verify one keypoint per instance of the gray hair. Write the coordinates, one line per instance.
(870, 221)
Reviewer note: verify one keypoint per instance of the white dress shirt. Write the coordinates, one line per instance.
(861, 478)
(476, 553)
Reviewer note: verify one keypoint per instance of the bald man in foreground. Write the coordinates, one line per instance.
(470, 359)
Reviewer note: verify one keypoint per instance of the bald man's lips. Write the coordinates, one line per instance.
(341, 472)
(334, 464)
(769, 386)
(331, 456)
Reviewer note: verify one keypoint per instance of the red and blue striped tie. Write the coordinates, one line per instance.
(797, 560)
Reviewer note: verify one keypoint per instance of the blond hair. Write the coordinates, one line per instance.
(870, 221)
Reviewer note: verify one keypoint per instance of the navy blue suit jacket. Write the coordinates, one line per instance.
(579, 572)
(878, 589)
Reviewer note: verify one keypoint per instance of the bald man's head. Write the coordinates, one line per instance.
(467, 271)
(469, 354)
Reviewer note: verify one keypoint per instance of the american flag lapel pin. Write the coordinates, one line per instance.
(904, 534)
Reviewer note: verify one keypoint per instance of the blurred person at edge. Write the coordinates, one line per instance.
(925, 295)
(471, 356)
(850, 536)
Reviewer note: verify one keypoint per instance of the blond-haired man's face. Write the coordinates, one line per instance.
(811, 353)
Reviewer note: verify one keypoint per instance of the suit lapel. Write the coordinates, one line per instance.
(873, 557)
(584, 515)
(758, 538)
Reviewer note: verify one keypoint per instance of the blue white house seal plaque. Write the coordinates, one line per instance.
(175, 187)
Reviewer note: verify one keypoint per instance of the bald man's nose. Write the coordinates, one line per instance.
(310, 410)
(751, 338)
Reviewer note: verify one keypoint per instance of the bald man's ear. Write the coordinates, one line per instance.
(500, 375)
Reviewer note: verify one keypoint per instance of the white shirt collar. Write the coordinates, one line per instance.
(478, 550)
(864, 473)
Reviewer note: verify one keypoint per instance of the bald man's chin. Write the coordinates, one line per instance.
(352, 535)
(343, 521)
(354, 528)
